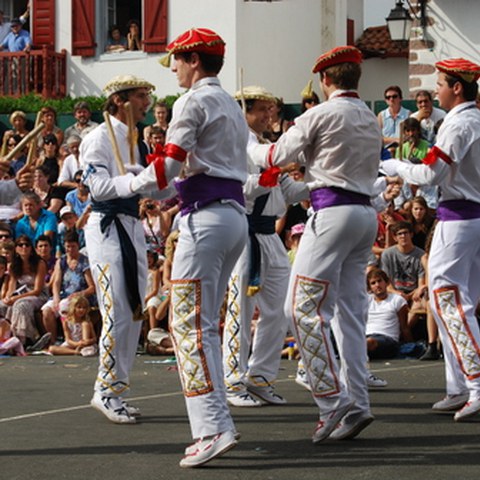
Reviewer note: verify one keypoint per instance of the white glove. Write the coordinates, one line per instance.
(135, 169)
(390, 167)
(122, 185)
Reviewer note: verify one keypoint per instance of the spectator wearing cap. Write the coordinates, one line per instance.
(79, 198)
(84, 124)
(71, 164)
(330, 266)
(296, 233)
(5, 27)
(68, 223)
(18, 39)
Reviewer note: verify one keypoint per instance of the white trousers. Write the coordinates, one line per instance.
(210, 242)
(120, 333)
(327, 288)
(261, 366)
(454, 286)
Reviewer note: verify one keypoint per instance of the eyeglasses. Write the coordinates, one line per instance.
(391, 97)
(402, 232)
(49, 142)
(5, 235)
(23, 245)
(11, 144)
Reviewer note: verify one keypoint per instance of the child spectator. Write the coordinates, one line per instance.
(8, 342)
(68, 223)
(295, 235)
(79, 334)
(155, 296)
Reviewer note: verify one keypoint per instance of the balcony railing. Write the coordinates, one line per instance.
(40, 71)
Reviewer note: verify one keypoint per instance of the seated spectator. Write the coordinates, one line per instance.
(49, 157)
(7, 250)
(155, 297)
(52, 197)
(68, 224)
(20, 157)
(18, 121)
(387, 317)
(414, 147)
(48, 115)
(391, 118)
(79, 198)
(156, 224)
(160, 113)
(71, 164)
(403, 265)
(422, 221)
(84, 124)
(295, 235)
(157, 137)
(116, 42)
(44, 249)
(3, 275)
(26, 291)
(386, 220)
(134, 39)
(78, 331)
(71, 278)
(18, 40)
(36, 220)
(9, 343)
(427, 115)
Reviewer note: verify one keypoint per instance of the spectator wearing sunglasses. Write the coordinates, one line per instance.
(391, 118)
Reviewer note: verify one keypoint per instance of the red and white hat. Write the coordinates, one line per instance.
(345, 54)
(201, 40)
(459, 67)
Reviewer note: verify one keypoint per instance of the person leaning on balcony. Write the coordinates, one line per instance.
(5, 26)
(18, 40)
(134, 40)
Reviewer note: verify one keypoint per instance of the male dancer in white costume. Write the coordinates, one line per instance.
(116, 246)
(341, 141)
(453, 163)
(260, 277)
(208, 138)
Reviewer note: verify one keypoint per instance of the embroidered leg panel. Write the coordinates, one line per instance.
(107, 379)
(231, 347)
(187, 335)
(465, 347)
(313, 336)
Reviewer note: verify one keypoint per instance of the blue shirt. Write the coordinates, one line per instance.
(47, 222)
(391, 126)
(17, 42)
(77, 205)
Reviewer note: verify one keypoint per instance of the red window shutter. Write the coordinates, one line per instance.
(83, 28)
(350, 32)
(43, 23)
(155, 25)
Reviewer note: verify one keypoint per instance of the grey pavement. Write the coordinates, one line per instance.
(49, 431)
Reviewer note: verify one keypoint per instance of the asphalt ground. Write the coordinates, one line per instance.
(49, 431)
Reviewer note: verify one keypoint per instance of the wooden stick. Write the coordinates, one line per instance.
(131, 132)
(113, 141)
(242, 96)
(33, 146)
(6, 138)
(30, 136)
(401, 140)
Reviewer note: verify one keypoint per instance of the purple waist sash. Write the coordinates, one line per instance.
(333, 196)
(458, 210)
(200, 190)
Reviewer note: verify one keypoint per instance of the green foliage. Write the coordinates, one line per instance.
(33, 103)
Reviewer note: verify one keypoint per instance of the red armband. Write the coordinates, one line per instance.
(269, 177)
(175, 152)
(435, 153)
